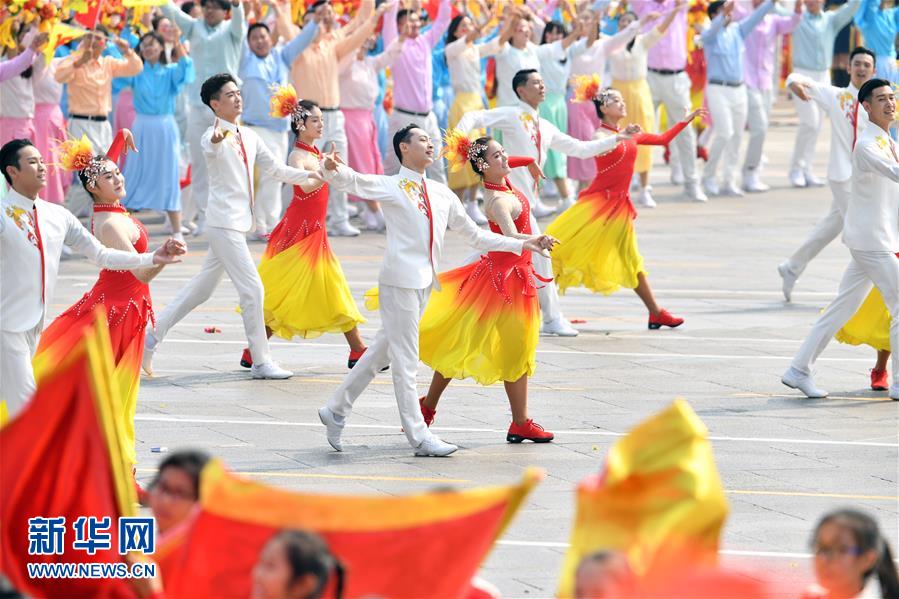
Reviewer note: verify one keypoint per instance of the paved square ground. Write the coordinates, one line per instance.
(784, 459)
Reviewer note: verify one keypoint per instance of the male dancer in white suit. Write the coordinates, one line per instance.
(871, 232)
(418, 212)
(32, 235)
(527, 134)
(231, 152)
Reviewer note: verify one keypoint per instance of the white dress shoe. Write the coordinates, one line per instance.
(894, 392)
(694, 193)
(567, 203)
(541, 210)
(200, 227)
(352, 210)
(645, 199)
(257, 236)
(435, 448)
(343, 229)
(677, 175)
(370, 221)
(710, 186)
(559, 327)
(269, 370)
(797, 178)
(811, 180)
(789, 279)
(334, 425)
(474, 212)
(752, 184)
(635, 182)
(800, 381)
(731, 189)
(150, 344)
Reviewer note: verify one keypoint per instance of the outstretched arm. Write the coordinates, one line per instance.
(663, 139)
(113, 235)
(477, 237)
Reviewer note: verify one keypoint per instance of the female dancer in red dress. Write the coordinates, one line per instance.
(484, 322)
(125, 294)
(306, 293)
(598, 244)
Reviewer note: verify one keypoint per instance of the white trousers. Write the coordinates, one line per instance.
(810, 119)
(397, 121)
(395, 344)
(16, 373)
(199, 119)
(228, 252)
(827, 228)
(674, 92)
(728, 107)
(866, 267)
(760, 101)
(547, 293)
(334, 132)
(267, 206)
(100, 135)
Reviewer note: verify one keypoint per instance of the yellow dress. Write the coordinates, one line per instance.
(870, 325)
(306, 293)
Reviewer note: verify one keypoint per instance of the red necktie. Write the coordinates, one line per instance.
(40, 248)
(539, 139)
(246, 165)
(427, 200)
(854, 124)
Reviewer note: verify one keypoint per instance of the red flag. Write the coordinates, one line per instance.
(60, 458)
(91, 17)
(427, 545)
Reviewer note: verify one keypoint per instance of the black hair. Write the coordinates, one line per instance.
(520, 78)
(862, 50)
(401, 137)
(82, 175)
(867, 536)
(213, 86)
(553, 27)
(158, 38)
(222, 4)
(308, 105)
(869, 86)
(598, 106)
(480, 152)
(188, 6)
(451, 30)
(402, 14)
(257, 25)
(9, 155)
(307, 553)
(316, 4)
(189, 461)
(159, 19)
(714, 7)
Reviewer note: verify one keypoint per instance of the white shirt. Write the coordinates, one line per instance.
(406, 262)
(593, 61)
(46, 88)
(464, 63)
(23, 298)
(872, 217)
(510, 60)
(17, 93)
(525, 133)
(841, 104)
(358, 80)
(556, 72)
(231, 178)
(630, 65)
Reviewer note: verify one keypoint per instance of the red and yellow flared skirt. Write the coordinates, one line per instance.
(484, 322)
(598, 245)
(306, 293)
(128, 310)
(870, 325)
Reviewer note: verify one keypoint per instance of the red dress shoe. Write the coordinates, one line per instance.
(530, 430)
(354, 357)
(664, 319)
(427, 413)
(246, 359)
(879, 381)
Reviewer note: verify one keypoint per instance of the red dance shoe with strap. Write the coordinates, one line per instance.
(246, 359)
(427, 413)
(530, 431)
(355, 356)
(879, 380)
(664, 319)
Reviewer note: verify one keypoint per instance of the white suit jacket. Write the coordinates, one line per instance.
(872, 217)
(406, 262)
(23, 299)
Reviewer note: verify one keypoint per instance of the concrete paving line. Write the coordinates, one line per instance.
(414, 479)
(566, 352)
(392, 427)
